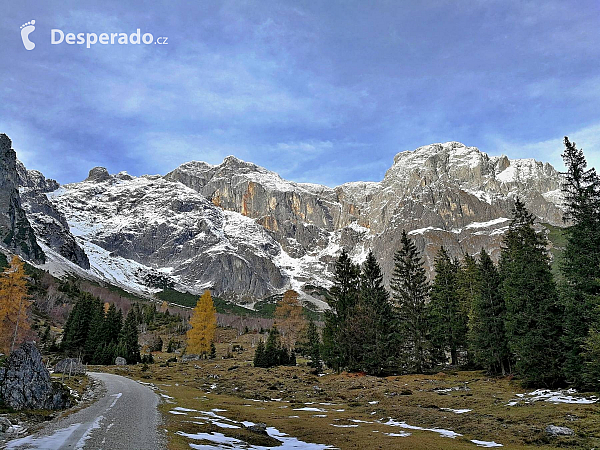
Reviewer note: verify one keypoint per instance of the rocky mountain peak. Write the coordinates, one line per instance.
(16, 232)
(98, 174)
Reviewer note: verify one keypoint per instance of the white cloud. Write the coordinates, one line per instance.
(549, 150)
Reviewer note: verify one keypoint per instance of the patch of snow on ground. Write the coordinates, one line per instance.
(56, 440)
(559, 397)
(456, 411)
(227, 442)
(88, 433)
(440, 431)
(310, 409)
(486, 443)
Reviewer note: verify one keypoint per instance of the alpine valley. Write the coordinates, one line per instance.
(245, 233)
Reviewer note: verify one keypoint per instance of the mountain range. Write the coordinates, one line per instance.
(246, 233)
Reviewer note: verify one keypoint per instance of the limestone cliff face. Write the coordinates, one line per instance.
(288, 210)
(16, 232)
(49, 224)
(439, 188)
(246, 233)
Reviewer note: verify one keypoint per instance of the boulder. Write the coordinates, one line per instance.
(70, 366)
(120, 361)
(260, 428)
(25, 382)
(553, 430)
(190, 357)
(5, 424)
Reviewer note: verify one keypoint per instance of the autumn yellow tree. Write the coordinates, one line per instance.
(204, 323)
(14, 305)
(164, 307)
(289, 319)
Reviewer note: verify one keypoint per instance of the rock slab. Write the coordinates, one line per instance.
(25, 382)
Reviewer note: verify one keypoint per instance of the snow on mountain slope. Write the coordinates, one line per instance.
(246, 233)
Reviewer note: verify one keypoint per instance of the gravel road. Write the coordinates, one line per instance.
(124, 418)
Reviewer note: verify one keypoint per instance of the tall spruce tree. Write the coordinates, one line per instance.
(95, 338)
(79, 323)
(129, 347)
(580, 284)
(448, 320)
(314, 345)
(487, 337)
(375, 314)
(338, 353)
(467, 288)
(410, 290)
(259, 355)
(533, 314)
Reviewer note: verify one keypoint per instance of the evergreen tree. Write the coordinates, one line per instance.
(337, 352)
(487, 336)
(448, 321)
(259, 355)
(79, 323)
(591, 358)
(314, 345)
(273, 348)
(467, 287)
(410, 290)
(95, 338)
(129, 347)
(46, 335)
(375, 339)
(533, 316)
(273, 353)
(113, 321)
(580, 285)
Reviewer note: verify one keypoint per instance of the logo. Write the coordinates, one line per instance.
(58, 37)
(26, 30)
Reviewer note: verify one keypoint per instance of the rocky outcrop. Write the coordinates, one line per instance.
(70, 366)
(98, 174)
(120, 361)
(25, 382)
(49, 224)
(16, 232)
(553, 430)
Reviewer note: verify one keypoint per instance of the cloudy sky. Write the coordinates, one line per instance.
(319, 91)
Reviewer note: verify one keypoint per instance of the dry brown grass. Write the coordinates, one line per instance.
(409, 398)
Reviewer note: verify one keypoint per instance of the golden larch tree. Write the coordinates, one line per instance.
(289, 318)
(164, 307)
(14, 305)
(204, 323)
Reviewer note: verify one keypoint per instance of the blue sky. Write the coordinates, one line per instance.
(319, 91)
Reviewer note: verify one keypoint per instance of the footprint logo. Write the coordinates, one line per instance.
(26, 30)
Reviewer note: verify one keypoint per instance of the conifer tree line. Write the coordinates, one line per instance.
(273, 353)
(98, 333)
(509, 318)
